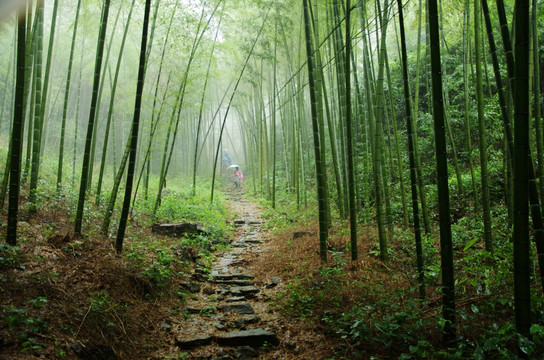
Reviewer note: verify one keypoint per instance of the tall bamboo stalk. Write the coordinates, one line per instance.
(134, 131)
(111, 106)
(66, 97)
(349, 140)
(323, 226)
(446, 248)
(17, 134)
(522, 286)
(411, 155)
(90, 128)
(481, 132)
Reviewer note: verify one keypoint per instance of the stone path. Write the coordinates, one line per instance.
(226, 312)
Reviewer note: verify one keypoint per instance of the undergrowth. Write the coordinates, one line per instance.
(374, 309)
(64, 294)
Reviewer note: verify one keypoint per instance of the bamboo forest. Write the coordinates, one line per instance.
(271, 179)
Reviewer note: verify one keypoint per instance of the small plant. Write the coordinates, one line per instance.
(208, 310)
(21, 323)
(9, 256)
(297, 300)
(160, 270)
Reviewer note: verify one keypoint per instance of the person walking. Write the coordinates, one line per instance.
(238, 176)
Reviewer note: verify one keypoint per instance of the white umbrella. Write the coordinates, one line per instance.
(233, 166)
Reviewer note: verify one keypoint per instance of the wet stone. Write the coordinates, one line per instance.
(253, 337)
(233, 282)
(208, 290)
(238, 245)
(240, 308)
(244, 290)
(245, 352)
(192, 343)
(246, 320)
(178, 230)
(190, 287)
(253, 241)
(274, 281)
(237, 276)
(235, 299)
(199, 277)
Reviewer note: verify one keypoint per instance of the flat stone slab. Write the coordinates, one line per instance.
(235, 299)
(253, 241)
(233, 276)
(244, 290)
(246, 320)
(192, 343)
(233, 282)
(254, 337)
(190, 287)
(240, 308)
(199, 277)
(178, 230)
(219, 326)
(238, 245)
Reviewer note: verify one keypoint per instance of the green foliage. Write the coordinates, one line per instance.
(299, 302)
(160, 265)
(160, 270)
(106, 312)
(20, 322)
(9, 257)
(208, 310)
(179, 204)
(384, 323)
(290, 216)
(305, 298)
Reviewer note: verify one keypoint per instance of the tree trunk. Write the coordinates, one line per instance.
(134, 132)
(17, 134)
(522, 286)
(65, 104)
(446, 248)
(88, 141)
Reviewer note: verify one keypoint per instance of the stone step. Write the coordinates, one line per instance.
(235, 299)
(254, 337)
(195, 342)
(233, 282)
(243, 290)
(246, 320)
(253, 241)
(233, 276)
(240, 308)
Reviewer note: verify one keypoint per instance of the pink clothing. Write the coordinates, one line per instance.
(239, 174)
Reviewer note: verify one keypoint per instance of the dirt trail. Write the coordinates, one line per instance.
(227, 315)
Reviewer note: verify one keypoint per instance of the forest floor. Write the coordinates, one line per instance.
(256, 290)
(233, 314)
(67, 297)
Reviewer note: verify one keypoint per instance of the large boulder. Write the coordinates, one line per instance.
(179, 230)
